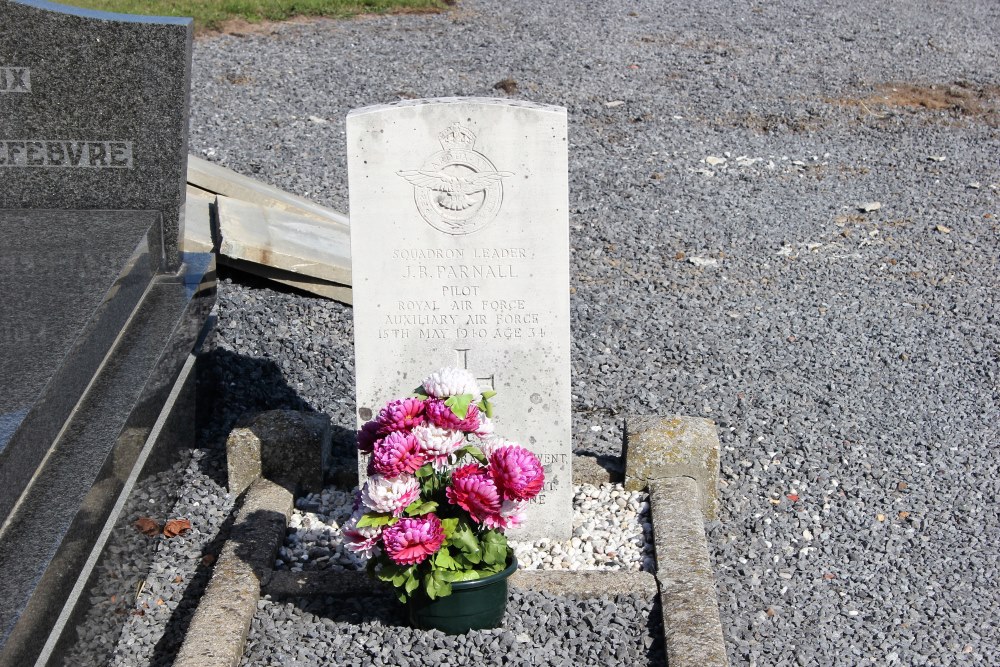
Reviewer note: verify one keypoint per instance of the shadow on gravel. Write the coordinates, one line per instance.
(166, 648)
(381, 608)
(230, 387)
(656, 654)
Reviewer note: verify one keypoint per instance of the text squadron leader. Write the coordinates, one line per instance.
(460, 271)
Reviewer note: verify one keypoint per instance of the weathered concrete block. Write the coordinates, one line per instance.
(259, 529)
(586, 470)
(674, 446)
(691, 625)
(285, 446)
(294, 447)
(242, 459)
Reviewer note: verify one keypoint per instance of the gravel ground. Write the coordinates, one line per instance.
(728, 261)
(548, 630)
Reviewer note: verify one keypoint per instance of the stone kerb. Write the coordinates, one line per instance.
(460, 247)
(677, 459)
(95, 111)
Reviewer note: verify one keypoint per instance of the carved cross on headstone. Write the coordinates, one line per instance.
(463, 362)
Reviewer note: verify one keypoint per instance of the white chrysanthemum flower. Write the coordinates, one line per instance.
(437, 442)
(384, 494)
(491, 442)
(485, 426)
(446, 382)
(511, 515)
(361, 541)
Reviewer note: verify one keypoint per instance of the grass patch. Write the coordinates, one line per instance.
(214, 14)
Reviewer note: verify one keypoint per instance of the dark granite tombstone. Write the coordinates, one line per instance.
(99, 309)
(94, 110)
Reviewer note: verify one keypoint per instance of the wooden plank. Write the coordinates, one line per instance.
(334, 291)
(198, 220)
(283, 240)
(219, 180)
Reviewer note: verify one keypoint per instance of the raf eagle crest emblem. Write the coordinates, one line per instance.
(457, 190)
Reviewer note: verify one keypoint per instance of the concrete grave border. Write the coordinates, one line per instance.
(680, 497)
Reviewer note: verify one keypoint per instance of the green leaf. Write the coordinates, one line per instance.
(420, 508)
(467, 562)
(487, 408)
(486, 405)
(389, 571)
(425, 470)
(494, 548)
(449, 526)
(476, 453)
(496, 567)
(376, 520)
(459, 404)
(460, 575)
(420, 393)
(465, 540)
(403, 578)
(435, 585)
(426, 508)
(444, 560)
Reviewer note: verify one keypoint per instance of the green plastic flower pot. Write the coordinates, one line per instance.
(472, 605)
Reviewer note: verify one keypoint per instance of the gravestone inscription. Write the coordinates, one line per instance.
(94, 110)
(460, 247)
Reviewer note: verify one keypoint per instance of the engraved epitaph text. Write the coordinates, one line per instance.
(15, 80)
(72, 153)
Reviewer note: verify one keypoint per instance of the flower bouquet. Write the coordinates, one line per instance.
(441, 490)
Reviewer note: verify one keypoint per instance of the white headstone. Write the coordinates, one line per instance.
(460, 255)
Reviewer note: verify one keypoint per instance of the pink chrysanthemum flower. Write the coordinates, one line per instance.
(390, 494)
(446, 382)
(367, 437)
(437, 443)
(518, 472)
(511, 514)
(400, 415)
(474, 490)
(441, 415)
(411, 541)
(396, 454)
(362, 541)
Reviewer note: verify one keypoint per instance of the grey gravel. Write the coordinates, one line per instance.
(538, 629)
(850, 359)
